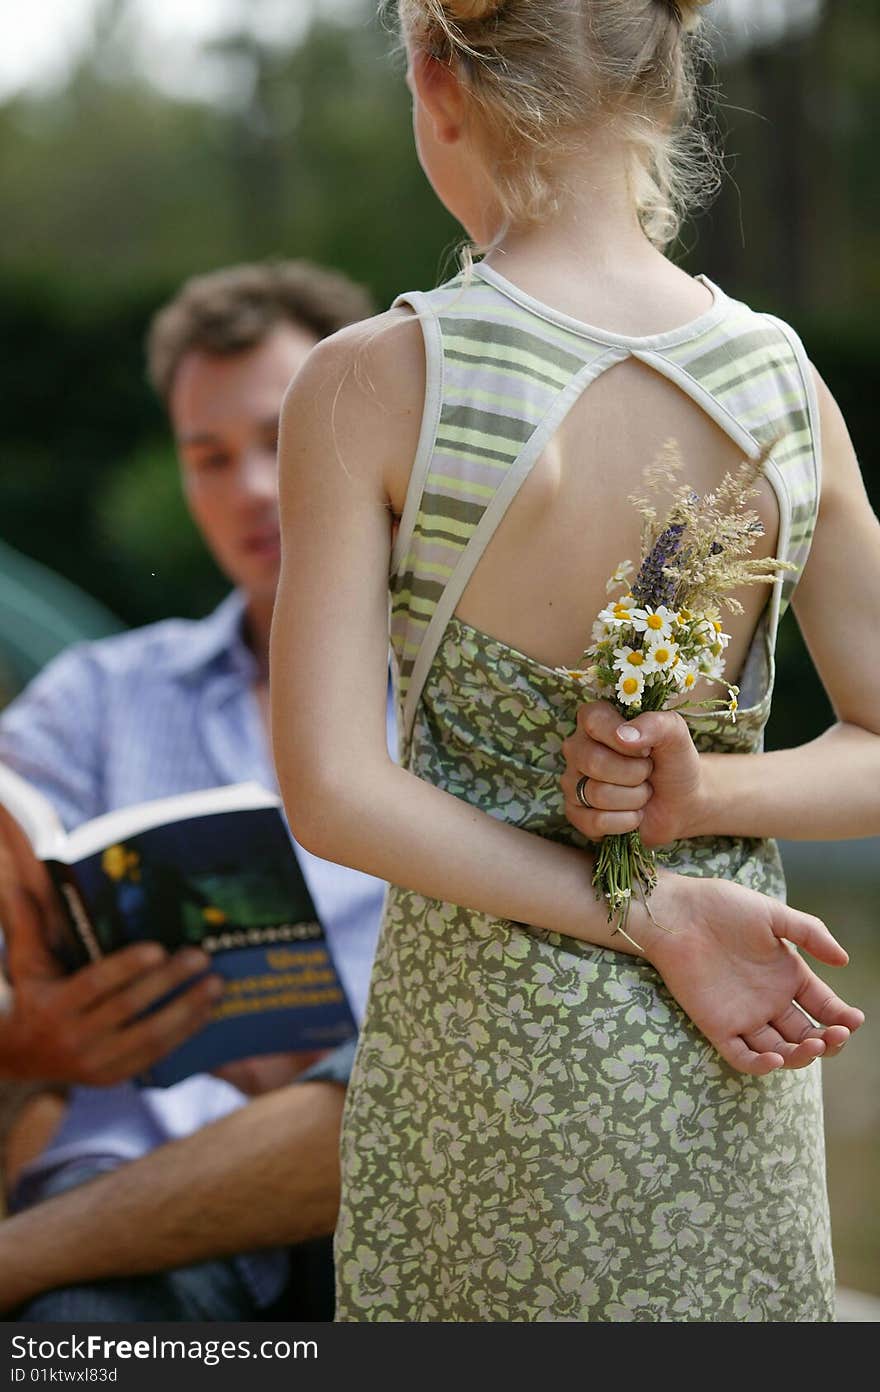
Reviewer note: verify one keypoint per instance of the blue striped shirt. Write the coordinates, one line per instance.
(162, 710)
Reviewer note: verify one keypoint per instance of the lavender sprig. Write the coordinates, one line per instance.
(654, 586)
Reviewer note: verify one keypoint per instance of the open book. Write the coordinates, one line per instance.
(212, 869)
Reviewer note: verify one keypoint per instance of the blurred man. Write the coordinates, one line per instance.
(168, 709)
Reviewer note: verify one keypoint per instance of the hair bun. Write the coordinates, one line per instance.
(472, 11)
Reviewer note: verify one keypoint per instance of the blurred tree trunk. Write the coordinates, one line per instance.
(253, 147)
(830, 232)
(794, 132)
(780, 83)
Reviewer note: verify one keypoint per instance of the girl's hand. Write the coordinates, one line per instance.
(728, 956)
(642, 773)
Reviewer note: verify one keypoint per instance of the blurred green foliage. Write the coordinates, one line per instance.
(114, 193)
(154, 550)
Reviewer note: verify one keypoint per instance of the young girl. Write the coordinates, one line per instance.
(545, 1123)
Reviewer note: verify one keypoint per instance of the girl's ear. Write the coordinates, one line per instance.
(439, 91)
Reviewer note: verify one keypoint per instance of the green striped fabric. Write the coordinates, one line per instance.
(498, 364)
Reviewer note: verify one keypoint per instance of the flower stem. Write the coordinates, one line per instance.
(624, 869)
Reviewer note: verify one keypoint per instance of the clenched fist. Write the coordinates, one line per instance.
(643, 773)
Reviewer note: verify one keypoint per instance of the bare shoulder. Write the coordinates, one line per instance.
(366, 384)
(378, 363)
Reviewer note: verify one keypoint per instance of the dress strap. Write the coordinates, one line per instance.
(488, 525)
(421, 307)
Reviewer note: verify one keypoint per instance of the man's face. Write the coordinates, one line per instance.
(224, 414)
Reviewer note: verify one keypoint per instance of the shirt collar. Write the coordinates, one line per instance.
(220, 635)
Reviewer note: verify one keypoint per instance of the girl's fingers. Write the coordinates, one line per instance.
(802, 1055)
(819, 1001)
(599, 720)
(797, 1026)
(596, 825)
(745, 1059)
(768, 1039)
(794, 1025)
(608, 797)
(583, 755)
(836, 1038)
(810, 933)
(606, 767)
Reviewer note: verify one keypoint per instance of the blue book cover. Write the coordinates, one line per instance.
(215, 870)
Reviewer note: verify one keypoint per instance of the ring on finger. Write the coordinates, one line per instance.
(580, 792)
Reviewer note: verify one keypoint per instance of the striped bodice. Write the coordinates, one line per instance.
(503, 371)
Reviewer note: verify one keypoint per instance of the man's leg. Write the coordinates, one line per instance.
(268, 1179)
(310, 1293)
(212, 1291)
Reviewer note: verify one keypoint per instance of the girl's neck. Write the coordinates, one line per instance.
(595, 225)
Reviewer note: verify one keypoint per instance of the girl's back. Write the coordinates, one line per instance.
(542, 1123)
(536, 428)
(543, 580)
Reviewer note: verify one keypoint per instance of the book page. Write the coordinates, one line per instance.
(101, 832)
(34, 813)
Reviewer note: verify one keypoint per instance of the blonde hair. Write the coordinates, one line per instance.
(539, 72)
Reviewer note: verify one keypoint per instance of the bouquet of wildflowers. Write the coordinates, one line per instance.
(663, 636)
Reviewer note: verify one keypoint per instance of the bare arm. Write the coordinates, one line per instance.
(265, 1176)
(827, 789)
(345, 798)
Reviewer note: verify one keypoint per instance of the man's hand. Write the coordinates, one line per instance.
(267, 1073)
(84, 1028)
(642, 773)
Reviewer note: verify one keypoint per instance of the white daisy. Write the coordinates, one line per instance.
(618, 614)
(577, 674)
(630, 660)
(630, 686)
(712, 665)
(621, 575)
(712, 635)
(661, 655)
(657, 623)
(686, 676)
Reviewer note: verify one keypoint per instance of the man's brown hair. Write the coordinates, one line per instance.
(230, 310)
